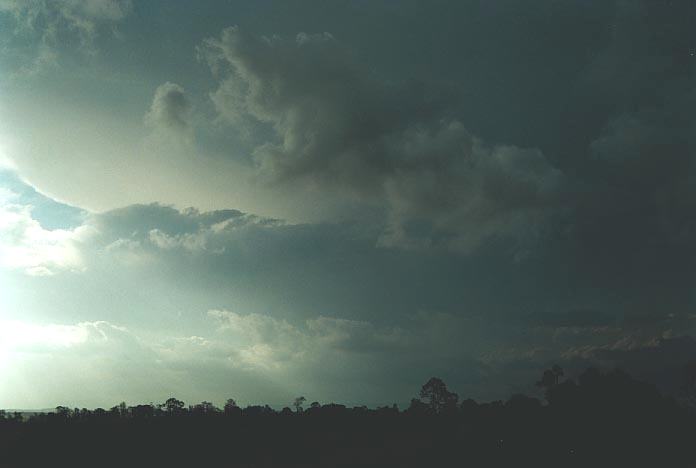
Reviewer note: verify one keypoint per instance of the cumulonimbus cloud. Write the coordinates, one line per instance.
(339, 126)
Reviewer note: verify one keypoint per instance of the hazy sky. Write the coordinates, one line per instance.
(339, 199)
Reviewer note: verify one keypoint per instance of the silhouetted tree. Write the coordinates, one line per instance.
(204, 408)
(550, 378)
(437, 397)
(557, 372)
(606, 419)
(231, 407)
(63, 412)
(417, 407)
(299, 401)
(142, 411)
(174, 406)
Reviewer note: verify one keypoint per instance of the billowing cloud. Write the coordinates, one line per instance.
(170, 109)
(340, 126)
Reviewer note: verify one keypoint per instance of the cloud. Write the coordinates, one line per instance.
(90, 361)
(98, 338)
(339, 126)
(268, 343)
(53, 26)
(630, 228)
(81, 16)
(26, 245)
(357, 336)
(575, 202)
(164, 228)
(263, 342)
(606, 203)
(230, 254)
(310, 308)
(339, 354)
(660, 360)
(170, 109)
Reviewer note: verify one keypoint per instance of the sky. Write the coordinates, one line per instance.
(340, 199)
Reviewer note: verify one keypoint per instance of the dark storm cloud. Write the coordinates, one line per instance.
(659, 360)
(611, 214)
(632, 227)
(588, 153)
(608, 203)
(339, 126)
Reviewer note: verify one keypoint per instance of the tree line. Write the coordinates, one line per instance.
(597, 419)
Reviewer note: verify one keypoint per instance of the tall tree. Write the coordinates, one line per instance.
(437, 397)
(299, 401)
(174, 406)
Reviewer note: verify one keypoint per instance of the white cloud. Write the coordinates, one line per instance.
(192, 242)
(262, 341)
(26, 245)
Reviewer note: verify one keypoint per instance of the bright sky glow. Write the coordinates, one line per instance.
(22, 336)
(18, 337)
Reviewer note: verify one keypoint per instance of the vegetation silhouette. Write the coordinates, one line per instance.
(601, 419)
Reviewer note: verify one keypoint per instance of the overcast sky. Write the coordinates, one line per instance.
(340, 199)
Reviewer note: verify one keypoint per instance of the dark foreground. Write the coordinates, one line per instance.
(603, 420)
